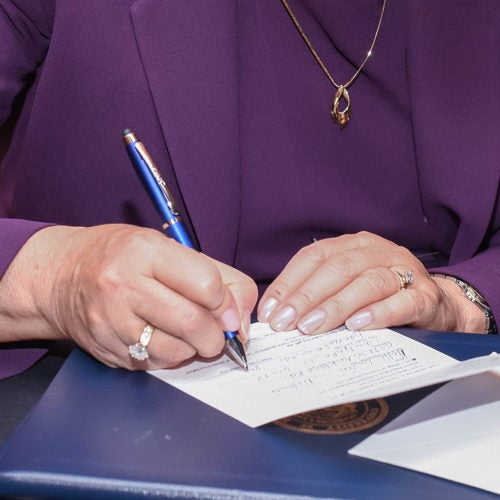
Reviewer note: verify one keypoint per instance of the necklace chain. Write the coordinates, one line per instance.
(340, 117)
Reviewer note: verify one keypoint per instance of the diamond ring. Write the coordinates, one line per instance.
(405, 280)
(139, 351)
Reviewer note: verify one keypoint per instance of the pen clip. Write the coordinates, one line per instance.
(159, 179)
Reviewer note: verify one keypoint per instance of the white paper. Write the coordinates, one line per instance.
(453, 433)
(292, 373)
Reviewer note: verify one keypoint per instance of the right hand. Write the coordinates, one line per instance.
(101, 285)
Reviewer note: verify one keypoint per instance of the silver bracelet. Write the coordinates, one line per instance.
(474, 296)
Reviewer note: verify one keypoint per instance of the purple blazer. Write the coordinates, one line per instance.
(73, 75)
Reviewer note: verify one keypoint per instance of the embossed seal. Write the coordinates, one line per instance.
(341, 419)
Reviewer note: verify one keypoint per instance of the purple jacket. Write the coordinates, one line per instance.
(168, 69)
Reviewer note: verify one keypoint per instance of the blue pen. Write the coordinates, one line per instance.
(173, 225)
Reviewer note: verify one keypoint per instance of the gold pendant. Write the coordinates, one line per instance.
(343, 116)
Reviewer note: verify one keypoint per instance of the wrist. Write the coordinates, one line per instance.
(473, 314)
(26, 298)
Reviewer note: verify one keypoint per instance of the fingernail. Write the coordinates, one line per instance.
(311, 322)
(230, 320)
(283, 319)
(268, 307)
(359, 320)
(245, 325)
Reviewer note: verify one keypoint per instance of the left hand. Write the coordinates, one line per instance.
(351, 279)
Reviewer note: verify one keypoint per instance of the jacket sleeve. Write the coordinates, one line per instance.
(25, 30)
(454, 76)
(482, 270)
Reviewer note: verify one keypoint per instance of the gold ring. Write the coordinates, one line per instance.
(405, 280)
(139, 350)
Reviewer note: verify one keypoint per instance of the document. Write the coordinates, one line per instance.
(291, 373)
(452, 433)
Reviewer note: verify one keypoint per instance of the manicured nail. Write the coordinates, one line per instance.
(359, 320)
(245, 325)
(268, 307)
(283, 319)
(230, 320)
(311, 322)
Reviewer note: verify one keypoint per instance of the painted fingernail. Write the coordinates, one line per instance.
(311, 322)
(267, 308)
(359, 320)
(283, 319)
(245, 325)
(230, 320)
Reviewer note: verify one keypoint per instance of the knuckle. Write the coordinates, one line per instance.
(365, 238)
(408, 256)
(109, 278)
(315, 253)
(92, 318)
(336, 309)
(284, 289)
(192, 320)
(140, 235)
(136, 239)
(307, 297)
(344, 263)
(377, 280)
(210, 285)
(207, 340)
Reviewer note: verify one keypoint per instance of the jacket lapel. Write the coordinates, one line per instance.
(189, 52)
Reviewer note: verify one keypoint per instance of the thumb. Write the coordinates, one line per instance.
(243, 295)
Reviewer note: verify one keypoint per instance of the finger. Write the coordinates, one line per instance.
(171, 312)
(371, 286)
(424, 304)
(128, 274)
(197, 278)
(336, 273)
(166, 351)
(146, 300)
(125, 347)
(324, 268)
(244, 293)
(162, 351)
(189, 273)
(304, 263)
(179, 317)
(111, 344)
(309, 259)
(403, 308)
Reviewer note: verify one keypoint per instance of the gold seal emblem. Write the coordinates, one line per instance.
(341, 419)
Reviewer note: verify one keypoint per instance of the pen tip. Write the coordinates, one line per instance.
(126, 132)
(242, 363)
(237, 352)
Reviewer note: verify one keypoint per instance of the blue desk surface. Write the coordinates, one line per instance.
(105, 433)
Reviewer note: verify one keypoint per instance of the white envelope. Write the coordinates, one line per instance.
(453, 433)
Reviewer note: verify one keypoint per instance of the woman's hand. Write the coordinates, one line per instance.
(102, 285)
(353, 279)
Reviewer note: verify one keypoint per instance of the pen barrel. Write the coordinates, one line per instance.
(230, 335)
(179, 232)
(173, 226)
(150, 184)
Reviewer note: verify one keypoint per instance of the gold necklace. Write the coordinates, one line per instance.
(338, 116)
